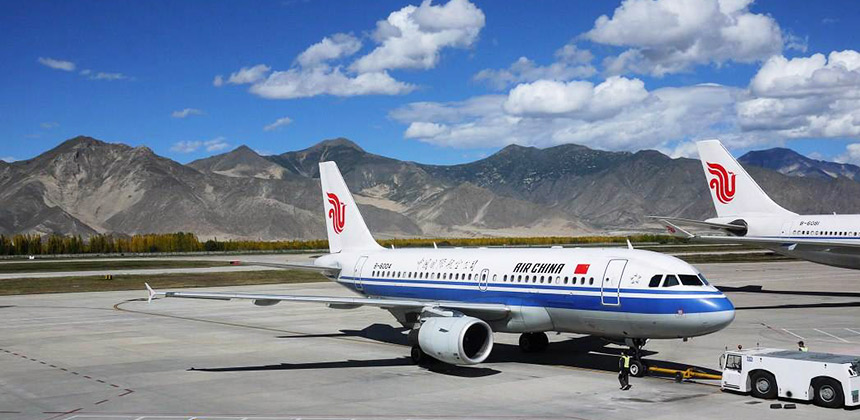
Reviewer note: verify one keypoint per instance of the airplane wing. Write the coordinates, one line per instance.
(294, 266)
(790, 243)
(696, 223)
(338, 302)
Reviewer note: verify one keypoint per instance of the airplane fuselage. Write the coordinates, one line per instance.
(841, 227)
(606, 292)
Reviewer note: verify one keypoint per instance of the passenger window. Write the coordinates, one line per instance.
(495, 278)
(590, 280)
(483, 276)
(557, 279)
(690, 280)
(671, 280)
(505, 277)
(519, 278)
(655, 281)
(541, 279)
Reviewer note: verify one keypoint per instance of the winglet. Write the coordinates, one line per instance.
(676, 230)
(629, 245)
(152, 293)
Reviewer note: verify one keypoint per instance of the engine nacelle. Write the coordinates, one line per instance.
(459, 340)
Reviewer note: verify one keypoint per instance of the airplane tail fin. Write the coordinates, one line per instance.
(733, 190)
(344, 225)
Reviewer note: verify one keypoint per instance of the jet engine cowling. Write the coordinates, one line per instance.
(459, 340)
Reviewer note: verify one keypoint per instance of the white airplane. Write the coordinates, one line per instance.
(455, 299)
(748, 216)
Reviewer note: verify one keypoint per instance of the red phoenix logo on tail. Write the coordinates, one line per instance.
(337, 212)
(723, 182)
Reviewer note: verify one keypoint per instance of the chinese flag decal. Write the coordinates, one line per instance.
(581, 269)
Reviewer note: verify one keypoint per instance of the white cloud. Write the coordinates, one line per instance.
(8, 159)
(303, 83)
(49, 125)
(245, 75)
(57, 64)
(617, 114)
(190, 146)
(670, 36)
(576, 98)
(802, 97)
(186, 146)
(280, 122)
(187, 112)
(330, 48)
(571, 63)
(851, 154)
(418, 130)
(215, 145)
(412, 37)
(108, 76)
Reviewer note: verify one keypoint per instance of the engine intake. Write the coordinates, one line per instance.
(460, 340)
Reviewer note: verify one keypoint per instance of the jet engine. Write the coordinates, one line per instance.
(458, 340)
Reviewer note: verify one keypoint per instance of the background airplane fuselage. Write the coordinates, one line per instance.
(602, 292)
(842, 227)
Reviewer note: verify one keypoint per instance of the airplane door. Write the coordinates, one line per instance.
(357, 273)
(483, 280)
(610, 287)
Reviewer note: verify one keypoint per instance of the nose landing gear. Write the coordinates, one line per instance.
(638, 368)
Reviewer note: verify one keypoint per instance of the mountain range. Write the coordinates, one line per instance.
(86, 186)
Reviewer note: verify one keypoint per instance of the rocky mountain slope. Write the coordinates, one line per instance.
(85, 186)
(789, 162)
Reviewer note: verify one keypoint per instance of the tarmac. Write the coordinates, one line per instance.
(112, 356)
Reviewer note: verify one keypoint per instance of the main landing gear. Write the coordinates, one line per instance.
(533, 342)
(637, 366)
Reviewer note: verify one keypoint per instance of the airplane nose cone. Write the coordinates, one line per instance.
(721, 319)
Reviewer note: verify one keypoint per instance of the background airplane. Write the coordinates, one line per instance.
(455, 299)
(748, 216)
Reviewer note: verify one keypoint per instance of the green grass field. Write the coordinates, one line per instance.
(158, 281)
(104, 264)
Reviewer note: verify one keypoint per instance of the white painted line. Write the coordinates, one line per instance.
(793, 334)
(854, 331)
(831, 335)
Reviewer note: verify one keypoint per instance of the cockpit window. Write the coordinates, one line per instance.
(703, 279)
(671, 280)
(655, 281)
(690, 280)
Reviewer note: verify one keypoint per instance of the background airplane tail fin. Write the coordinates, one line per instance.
(733, 190)
(344, 225)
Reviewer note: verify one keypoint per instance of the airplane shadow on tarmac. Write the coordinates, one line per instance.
(585, 352)
(760, 289)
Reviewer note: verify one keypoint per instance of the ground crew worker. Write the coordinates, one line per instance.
(802, 347)
(624, 371)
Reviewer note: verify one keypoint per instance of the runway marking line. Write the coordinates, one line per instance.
(793, 334)
(854, 331)
(831, 335)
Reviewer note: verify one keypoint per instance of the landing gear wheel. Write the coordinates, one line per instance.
(637, 369)
(828, 393)
(419, 357)
(533, 342)
(763, 386)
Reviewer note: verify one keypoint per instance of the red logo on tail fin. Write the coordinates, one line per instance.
(723, 182)
(337, 212)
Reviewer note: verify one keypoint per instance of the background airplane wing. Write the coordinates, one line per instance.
(790, 243)
(339, 302)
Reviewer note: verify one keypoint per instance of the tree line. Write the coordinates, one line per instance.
(33, 244)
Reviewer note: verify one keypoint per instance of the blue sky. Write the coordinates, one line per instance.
(442, 88)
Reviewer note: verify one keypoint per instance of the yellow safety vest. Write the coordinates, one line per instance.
(626, 361)
(804, 349)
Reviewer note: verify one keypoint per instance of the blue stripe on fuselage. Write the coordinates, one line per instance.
(470, 293)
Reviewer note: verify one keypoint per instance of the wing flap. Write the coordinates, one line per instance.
(338, 302)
